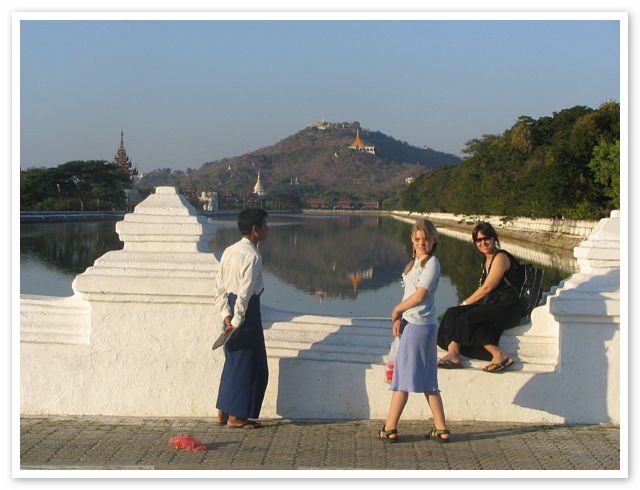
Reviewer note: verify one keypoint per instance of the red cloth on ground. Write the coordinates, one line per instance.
(188, 442)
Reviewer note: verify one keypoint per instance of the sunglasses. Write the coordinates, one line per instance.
(483, 239)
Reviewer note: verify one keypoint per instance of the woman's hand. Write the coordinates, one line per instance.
(396, 314)
(396, 328)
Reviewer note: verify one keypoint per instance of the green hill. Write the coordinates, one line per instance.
(319, 162)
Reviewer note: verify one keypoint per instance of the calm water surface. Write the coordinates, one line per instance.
(346, 265)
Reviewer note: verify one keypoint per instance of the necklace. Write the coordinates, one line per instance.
(491, 262)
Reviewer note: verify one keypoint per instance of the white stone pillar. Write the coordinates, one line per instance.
(587, 309)
(151, 324)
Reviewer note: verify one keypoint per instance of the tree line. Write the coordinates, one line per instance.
(566, 165)
(94, 185)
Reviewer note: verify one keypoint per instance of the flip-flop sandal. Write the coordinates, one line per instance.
(449, 365)
(496, 367)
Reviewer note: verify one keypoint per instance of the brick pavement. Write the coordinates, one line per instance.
(126, 443)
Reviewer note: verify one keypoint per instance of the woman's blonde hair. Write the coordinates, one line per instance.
(430, 233)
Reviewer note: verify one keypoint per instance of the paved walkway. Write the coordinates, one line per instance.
(124, 443)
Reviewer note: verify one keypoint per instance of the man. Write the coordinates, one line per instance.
(237, 291)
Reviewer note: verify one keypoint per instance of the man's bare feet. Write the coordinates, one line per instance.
(238, 423)
(222, 418)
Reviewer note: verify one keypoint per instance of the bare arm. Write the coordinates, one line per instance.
(499, 266)
(413, 300)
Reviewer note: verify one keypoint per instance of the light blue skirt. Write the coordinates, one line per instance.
(416, 368)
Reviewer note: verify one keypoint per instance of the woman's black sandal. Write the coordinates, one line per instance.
(436, 435)
(388, 433)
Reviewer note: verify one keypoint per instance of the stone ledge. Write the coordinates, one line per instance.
(45, 319)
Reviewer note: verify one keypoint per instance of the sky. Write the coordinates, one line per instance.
(187, 96)
(187, 92)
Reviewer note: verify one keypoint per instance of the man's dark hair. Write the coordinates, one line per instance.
(250, 217)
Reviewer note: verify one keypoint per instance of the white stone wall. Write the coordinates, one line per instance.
(580, 228)
(135, 340)
(526, 252)
(148, 316)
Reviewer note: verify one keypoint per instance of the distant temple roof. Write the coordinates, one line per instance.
(358, 145)
(321, 124)
(258, 189)
(121, 159)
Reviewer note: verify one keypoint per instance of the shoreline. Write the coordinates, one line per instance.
(539, 238)
(561, 241)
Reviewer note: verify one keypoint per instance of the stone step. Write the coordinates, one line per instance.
(347, 338)
(319, 355)
(338, 339)
(374, 361)
(526, 349)
(379, 351)
(273, 316)
(45, 319)
(537, 356)
(330, 328)
(50, 304)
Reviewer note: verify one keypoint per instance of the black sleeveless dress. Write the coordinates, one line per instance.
(482, 323)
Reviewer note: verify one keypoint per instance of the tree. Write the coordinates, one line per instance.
(74, 186)
(565, 165)
(606, 168)
(522, 135)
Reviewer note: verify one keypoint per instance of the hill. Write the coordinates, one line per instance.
(317, 161)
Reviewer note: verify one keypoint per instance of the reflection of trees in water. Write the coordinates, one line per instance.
(70, 247)
(462, 263)
(334, 257)
(328, 257)
(338, 257)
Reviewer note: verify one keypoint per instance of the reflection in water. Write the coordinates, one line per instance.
(69, 247)
(347, 265)
(337, 258)
(463, 263)
(332, 258)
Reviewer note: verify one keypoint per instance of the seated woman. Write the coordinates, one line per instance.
(473, 328)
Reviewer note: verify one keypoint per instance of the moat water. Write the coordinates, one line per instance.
(325, 265)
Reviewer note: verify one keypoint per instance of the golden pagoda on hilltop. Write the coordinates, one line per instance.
(358, 145)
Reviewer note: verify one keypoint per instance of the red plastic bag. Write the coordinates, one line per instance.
(390, 360)
(188, 442)
(391, 365)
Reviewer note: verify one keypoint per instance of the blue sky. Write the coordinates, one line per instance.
(189, 92)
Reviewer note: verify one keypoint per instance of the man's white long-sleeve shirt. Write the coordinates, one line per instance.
(240, 273)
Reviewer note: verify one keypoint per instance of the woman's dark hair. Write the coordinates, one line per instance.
(488, 231)
(250, 217)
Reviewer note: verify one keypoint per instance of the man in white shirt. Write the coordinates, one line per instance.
(238, 286)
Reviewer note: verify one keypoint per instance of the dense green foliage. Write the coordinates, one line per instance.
(74, 186)
(565, 165)
(606, 168)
